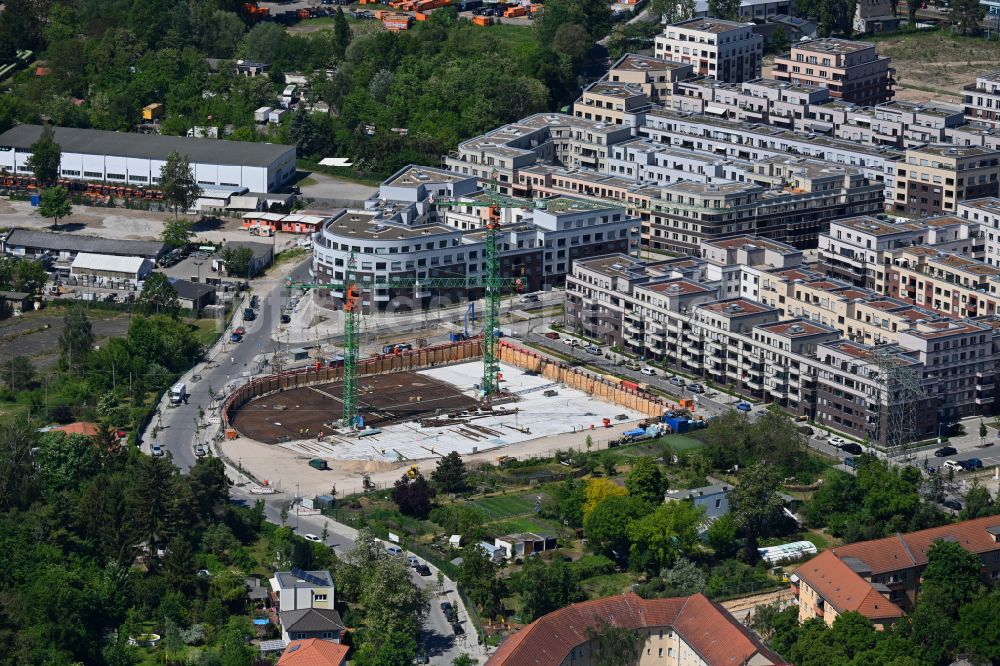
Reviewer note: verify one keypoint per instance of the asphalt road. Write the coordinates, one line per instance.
(232, 362)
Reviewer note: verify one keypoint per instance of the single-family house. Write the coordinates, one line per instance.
(321, 623)
(714, 499)
(303, 589)
(313, 652)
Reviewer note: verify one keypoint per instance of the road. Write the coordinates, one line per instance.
(226, 363)
(438, 640)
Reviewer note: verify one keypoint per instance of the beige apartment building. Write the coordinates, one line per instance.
(725, 50)
(656, 77)
(852, 71)
(610, 102)
(935, 178)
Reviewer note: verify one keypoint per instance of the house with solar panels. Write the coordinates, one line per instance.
(306, 605)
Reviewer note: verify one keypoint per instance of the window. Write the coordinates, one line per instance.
(94, 174)
(319, 597)
(138, 179)
(69, 172)
(116, 176)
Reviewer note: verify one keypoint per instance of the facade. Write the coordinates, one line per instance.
(725, 50)
(713, 499)
(524, 544)
(402, 235)
(137, 159)
(686, 630)
(935, 178)
(107, 269)
(881, 579)
(874, 16)
(982, 100)
(852, 71)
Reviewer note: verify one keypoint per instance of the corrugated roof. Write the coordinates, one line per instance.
(46, 240)
(705, 627)
(150, 146)
(105, 262)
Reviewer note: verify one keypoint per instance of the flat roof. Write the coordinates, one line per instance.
(985, 204)
(796, 328)
(737, 307)
(709, 24)
(751, 242)
(420, 175)
(870, 225)
(950, 150)
(362, 225)
(832, 45)
(150, 146)
(678, 287)
(641, 63)
(941, 329)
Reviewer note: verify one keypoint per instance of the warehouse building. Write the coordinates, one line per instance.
(101, 269)
(137, 159)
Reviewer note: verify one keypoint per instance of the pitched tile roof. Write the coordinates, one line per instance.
(79, 428)
(313, 652)
(906, 550)
(706, 627)
(844, 589)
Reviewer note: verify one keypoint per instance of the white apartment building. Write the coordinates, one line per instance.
(726, 50)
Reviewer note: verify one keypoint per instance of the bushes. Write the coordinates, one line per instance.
(592, 565)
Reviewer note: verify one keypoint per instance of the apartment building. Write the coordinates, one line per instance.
(898, 124)
(984, 213)
(610, 102)
(656, 77)
(935, 178)
(725, 50)
(852, 71)
(945, 282)
(982, 100)
(734, 265)
(881, 579)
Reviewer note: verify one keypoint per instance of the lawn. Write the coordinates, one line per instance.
(654, 448)
(505, 506)
(515, 525)
(606, 586)
(207, 330)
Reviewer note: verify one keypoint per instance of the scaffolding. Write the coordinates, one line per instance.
(900, 394)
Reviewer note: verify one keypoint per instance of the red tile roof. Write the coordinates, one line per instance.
(706, 627)
(907, 550)
(79, 428)
(844, 589)
(313, 652)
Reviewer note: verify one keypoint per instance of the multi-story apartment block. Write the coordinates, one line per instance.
(610, 102)
(725, 50)
(881, 579)
(982, 100)
(402, 235)
(945, 282)
(935, 178)
(852, 71)
(898, 124)
(985, 215)
(656, 77)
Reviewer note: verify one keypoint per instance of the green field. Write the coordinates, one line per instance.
(515, 525)
(504, 506)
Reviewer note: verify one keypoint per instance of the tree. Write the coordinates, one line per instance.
(950, 580)
(395, 649)
(19, 372)
(592, 14)
(722, 536)
(177, 232)
(614, 645)
(683, 579)
(478, 579)
(76, 340)
(45, 157)
(572, 40)
(65, 462)
(570, 497)
(237, 260)
(54, 204)
(983, 432)
(606, 526)
(671, 11)
(598, 490)
(978, 503)
(413, 496)
(911, 11)
(645, 481)
(234, 646)
(450, 475)
(178, 184)
(341, 33)
(836, 17)
(978, 630)
(544, 588)
(754, 502)
(724, 9)
(464, 660)
(158, 296)
(662, 536)
(967, 16)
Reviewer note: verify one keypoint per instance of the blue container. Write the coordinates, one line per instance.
(36, 199)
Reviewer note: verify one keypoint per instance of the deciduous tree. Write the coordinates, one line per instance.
(54, 204)
(45, 157)
(754, 502)
(724, 9)
(177, 232)
(413, 496)
(158, 296)
(606, 526)
(598, 490)
(662, 536)
(76, 340)
(19, 373)
(646, 481)
(450, 475)
(178, 184)
(967, 16)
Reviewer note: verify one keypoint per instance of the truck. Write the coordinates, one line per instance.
(641, 434)
(178, 394)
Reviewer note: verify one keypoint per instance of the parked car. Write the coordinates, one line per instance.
(744, 406)
(850, 462)
(249, 314)
(591, 349)
(632, 365)
(254, 302)
(953, 465)
(422, 658)
(423, 570)
(236, 337)
(200, 451)
(312, 537)
(972, 463)
(651, 372)
(837, 441)
(572, 342)
(952, 503)
(156, 450)
(394, 550)
(696, 388)
(945, 451)
(529, 298)
(677, 381)
(412, 561)
(457, 628)
(239, 330)
(446, 607)
(851, 447)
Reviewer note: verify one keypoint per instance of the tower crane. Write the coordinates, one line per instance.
(491, 281)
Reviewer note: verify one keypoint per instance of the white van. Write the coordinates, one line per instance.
(178, 394)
